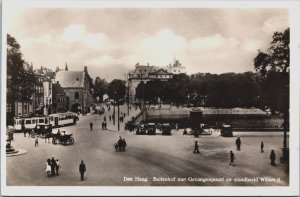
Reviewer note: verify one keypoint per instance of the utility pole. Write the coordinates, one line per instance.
(118, 115)
(114, 103)
(127, 80)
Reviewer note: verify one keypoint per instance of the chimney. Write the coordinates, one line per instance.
(85, 69)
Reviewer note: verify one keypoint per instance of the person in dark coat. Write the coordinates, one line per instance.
(120, 144)
(53, 166)
(82, 169)
(272, 157)
(262, 147)
(184, 132)
(57, 167)
(238, 143)
(91, 126)
(105, 125)
(196, 149)
(124, 144)
(102, 125)
(231, 158)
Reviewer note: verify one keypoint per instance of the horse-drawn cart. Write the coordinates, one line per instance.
(63, 138)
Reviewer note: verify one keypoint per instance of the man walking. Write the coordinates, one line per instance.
(272, 157)
(91, 126)
(231, 158)
(53, 166)
(57, 167)
(262, 147)
(196, 149)
(82, 170)
(36, 141)
(238, 143)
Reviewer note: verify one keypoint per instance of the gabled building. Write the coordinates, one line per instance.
(77, 89)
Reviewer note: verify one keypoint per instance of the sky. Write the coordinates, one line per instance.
(111, 41)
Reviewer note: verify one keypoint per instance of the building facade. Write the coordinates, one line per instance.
(77, 89)
(147, 72)
(60, 102)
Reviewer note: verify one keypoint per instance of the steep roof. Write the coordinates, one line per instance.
(70, 79)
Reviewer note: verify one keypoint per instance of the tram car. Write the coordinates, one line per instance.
(28, 123)
(62, 119)
(56, 120)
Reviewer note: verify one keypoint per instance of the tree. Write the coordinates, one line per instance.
(116, 89)
(274, 67)
(20, 76)
(100, 88)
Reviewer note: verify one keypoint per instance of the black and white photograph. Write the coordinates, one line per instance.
(166, 95)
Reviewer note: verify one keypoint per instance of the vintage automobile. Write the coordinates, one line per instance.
(166, 129)
(41, 130)
(63, 138)
(141, 130)
(226, 130)
(151, 129)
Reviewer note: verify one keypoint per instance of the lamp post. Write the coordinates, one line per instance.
(114, 103)
(142, 103)
(127, 80)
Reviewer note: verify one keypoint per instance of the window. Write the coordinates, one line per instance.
(8, 107)
(28, 122)
(76, 95)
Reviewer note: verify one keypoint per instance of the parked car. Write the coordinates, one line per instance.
(141, 130)
(226, 130)
(166, 129)
(151, 129)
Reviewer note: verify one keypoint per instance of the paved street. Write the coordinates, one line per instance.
(146, 156)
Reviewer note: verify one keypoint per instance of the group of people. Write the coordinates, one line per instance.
(120, 145)
(238, 143)
(52, 167)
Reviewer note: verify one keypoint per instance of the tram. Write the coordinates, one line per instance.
(63, 119)
(56, 120)
(22, 123)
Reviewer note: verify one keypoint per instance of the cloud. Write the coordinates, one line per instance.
(276, 23)
(125, 37)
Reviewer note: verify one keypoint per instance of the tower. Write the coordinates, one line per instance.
(66, 68)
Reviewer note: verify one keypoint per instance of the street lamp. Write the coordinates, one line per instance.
(127, 80)
(114, 103)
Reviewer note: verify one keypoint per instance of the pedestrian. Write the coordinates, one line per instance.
(105, 125)
(53, 166)
(48, 167)
(272, 157)
(24, 132)
(196, 149)
(238, 143)
(262, 147)
(82, 169)
(232, 158)
(109, 118)
(57, 167)
(36, 141)
(91, 126)
(120, 144)
(124, 144)
(102, 125)
(104, 118)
